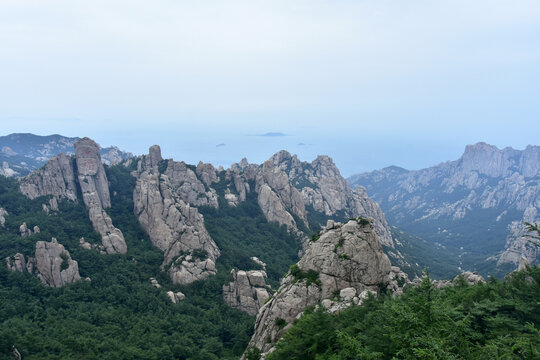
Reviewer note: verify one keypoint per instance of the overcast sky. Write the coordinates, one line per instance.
(370, 83)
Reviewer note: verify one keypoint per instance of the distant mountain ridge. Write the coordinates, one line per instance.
(475, 205)
(22, 153)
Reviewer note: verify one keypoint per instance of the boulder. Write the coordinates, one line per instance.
(3, 214)
(247, 292)
(52, 264)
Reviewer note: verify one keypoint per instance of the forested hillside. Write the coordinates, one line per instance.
(495, 320)
(118, 314)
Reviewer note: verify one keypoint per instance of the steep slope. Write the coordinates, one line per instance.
(312, 193)
(62, 177)
(298, 195)
(347, 259)
(22, 153)
(475, 205)
(172, 223)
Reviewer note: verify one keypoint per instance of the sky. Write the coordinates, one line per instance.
(371, 83)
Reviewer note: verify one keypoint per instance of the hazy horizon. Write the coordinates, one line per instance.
(369, 83)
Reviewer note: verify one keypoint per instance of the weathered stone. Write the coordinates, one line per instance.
(247, 292)
(258, 261)
(52, 264)
(95, 191)
(172, 224)
(287, 187)
(56, 178)
(24, 230)
(51, 258)
(155, 283)
(3, 214)
(59, 179)
(346, 260)
(175, 297)
(17, 264)
(472, 278)
(523, 264)
(347, 293)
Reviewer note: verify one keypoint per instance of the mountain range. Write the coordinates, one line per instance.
(199, 262)
(473, 209)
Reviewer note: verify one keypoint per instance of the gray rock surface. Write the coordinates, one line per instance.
(24, 231)
(175, 297)
(52, 264)
(520, 242)
(346, 260)
(317, 186)
(3, 214)
(56, 178)
(247, 292)
(95, 192)
(7, 171)
(59, 179)
(172, 224)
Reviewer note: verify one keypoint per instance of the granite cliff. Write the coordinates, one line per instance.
(338, 269)
(161, 197)
(62, 176)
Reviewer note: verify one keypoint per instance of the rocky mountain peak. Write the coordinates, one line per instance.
(280, 157)
(346, 258)
(164, 204)
(488, 159)
(59, 178)
(155, 155)
(492, 186)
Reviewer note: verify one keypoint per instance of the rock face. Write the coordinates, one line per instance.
(289, 188)
(56, 178)
(347, 260)
(95, 193)
(172, 224)
(518, 243)
(496, 190)
(52, 264)
(59, 178)
(176, 296)
(247, 292)
(3, 214)
(21, 154)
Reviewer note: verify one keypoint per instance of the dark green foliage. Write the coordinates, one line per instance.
(315, 237)
(65, 261)
(253, 354)
(424, 253)
(162, 166)
(242, 232)
(311, 276)
(200, 254)
(317, 219)
(497, 320)
(280, 323)
(363, 221)
(118, 315)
